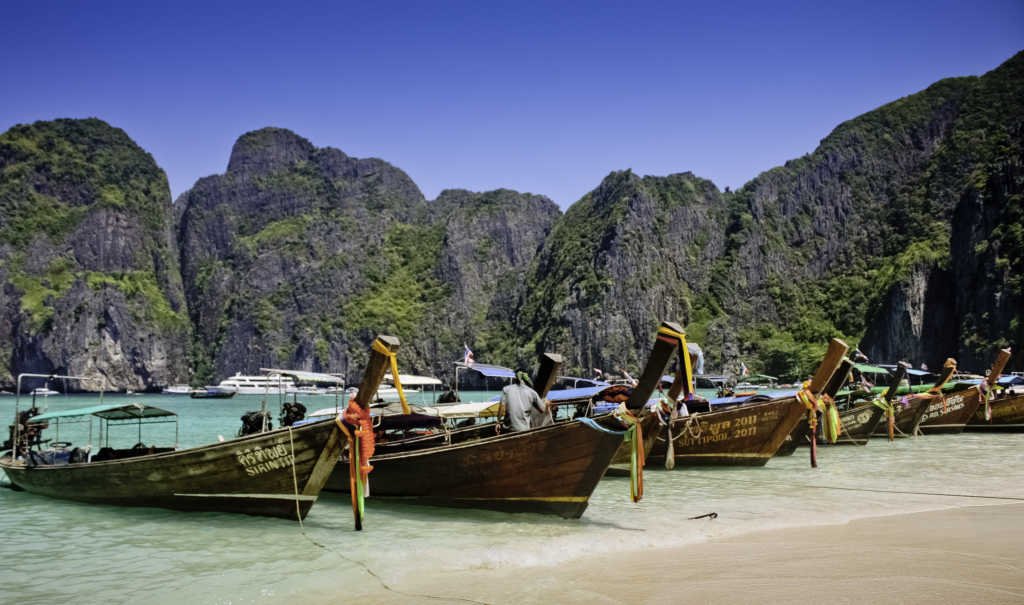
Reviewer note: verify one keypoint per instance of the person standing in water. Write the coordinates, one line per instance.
(523, 406)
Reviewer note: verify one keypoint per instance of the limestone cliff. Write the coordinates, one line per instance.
(89, 280)
(298, 256)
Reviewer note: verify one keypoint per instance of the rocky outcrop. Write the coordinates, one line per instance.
(299, 256)
(88, 263)
(630, 253)
(490, 241)
(278, 252)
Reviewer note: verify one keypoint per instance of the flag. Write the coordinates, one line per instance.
(467, 355)
(743, 369)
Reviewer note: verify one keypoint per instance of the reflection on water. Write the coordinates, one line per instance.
(57, 550)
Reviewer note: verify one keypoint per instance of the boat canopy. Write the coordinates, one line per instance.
(864, 368)
(412, 380)
(489, 370)
(483, 409)
(304, 376)
(109, 411)
(571, 394)
(913, 372)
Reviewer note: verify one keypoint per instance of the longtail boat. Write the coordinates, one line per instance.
(858, 418)
(909, 410)
(949, 413)
(277, 474)
(1006, 408)
(671, 340)
(551, 469)
(744, 435)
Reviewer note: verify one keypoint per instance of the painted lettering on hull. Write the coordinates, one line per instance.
(937, 409)
(716, 432)
(259, 460)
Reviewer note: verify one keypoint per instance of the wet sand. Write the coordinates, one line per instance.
(962, 555)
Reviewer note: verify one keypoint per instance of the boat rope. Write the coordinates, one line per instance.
(890, 414)
(381, 581)
(295, 478)
(635, 437)
(985, 394)
(691, 422)
(870, 490)
(662, 411)
(810, 401)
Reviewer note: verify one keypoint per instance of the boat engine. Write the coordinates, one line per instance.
(292, 412)
(254, 423)
(28, 435)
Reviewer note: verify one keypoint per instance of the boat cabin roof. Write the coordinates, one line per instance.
(304, 376)
(412, 380)
(107, 411)
(488, 370)
(864, 368)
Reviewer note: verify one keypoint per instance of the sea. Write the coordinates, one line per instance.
(57, 551)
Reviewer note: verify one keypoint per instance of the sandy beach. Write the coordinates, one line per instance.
(962, 555)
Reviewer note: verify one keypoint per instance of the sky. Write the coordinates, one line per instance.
(540, 97)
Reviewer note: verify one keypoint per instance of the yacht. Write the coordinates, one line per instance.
(274, 384)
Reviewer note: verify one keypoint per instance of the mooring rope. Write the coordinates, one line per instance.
(295, 479)
(384, 584)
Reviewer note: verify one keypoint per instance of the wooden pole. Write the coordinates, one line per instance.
(547, 373)
(667, 342)
(378, 365)
(833, 358)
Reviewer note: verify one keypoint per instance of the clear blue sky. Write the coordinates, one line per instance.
(539, 97)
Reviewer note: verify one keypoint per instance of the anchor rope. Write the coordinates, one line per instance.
(381, 581)
(295, 478)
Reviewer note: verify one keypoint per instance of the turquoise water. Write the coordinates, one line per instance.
(58, 551)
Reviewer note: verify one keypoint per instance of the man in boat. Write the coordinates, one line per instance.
(523, 406)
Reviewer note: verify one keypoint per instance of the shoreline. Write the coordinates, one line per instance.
(961, 554)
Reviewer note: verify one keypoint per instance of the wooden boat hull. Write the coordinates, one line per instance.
(621, 461)
(251, 475)
(746, 435)
(951, 414)
(1007, 415)
(908, 416)
(550, 470)
(858, 423)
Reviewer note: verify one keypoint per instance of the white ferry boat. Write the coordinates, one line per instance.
(274, 384)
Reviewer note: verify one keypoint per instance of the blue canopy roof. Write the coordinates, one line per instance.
(490, 371)
(580, 393)
(913, 372)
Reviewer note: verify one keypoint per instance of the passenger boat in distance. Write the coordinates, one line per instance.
(277, 474)
(950, 412)
(213, 392)
(747, 434)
